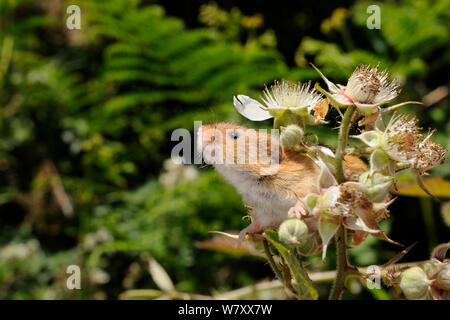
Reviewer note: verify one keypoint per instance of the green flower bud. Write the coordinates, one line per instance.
(414, 283)
(443, 278)
(291, 135)
(292, 232)
(311, 245)
(376, 186)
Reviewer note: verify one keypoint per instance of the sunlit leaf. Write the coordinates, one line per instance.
(436, 185)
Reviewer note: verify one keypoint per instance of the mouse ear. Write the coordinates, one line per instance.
(250, 108)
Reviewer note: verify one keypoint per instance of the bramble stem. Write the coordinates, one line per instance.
(342, 142)
(272, 263)
(343, 267)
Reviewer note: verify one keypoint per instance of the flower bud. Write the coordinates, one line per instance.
(376, 186)
(414, 283)
(443, 278)
(292, 232)
(291, 135)
(311, 245)
(431, 269)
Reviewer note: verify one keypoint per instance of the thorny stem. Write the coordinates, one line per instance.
(287, 278)
(272, 263)
(343, 267)
(342, 142)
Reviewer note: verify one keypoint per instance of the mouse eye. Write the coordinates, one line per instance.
(233, 135)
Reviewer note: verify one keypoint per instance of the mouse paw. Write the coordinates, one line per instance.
(299, 211)
(251, 229)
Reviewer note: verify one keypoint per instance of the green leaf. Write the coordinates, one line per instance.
(436, 185)
(303, 283)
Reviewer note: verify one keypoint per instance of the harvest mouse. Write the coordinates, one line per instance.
(270, 178)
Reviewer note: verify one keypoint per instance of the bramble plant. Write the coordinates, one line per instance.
(348, 204)
(86, 123)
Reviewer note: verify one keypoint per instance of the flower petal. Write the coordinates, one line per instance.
(250, 108)
(328, 201)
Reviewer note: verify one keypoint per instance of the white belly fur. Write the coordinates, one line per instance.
(268, 208)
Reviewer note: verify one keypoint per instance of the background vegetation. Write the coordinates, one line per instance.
(86, 118)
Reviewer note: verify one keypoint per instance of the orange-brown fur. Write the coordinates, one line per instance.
(297, 174)
(269, 193)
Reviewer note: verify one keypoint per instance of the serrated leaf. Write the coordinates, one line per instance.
(303, 283)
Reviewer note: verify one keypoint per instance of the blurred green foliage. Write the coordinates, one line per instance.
(86, 117)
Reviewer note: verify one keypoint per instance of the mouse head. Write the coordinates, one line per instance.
(239, 147)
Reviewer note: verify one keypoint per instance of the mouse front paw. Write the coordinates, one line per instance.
(299, 211)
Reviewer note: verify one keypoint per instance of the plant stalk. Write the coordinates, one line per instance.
(272, 263)
(343, 267)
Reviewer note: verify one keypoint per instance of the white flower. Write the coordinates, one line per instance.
(296, 97)
(401, 138)
(431, 155)
(346, 203)
(366, 89)
(402, 141)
